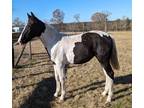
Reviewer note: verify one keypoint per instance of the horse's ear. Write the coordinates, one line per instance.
(33, 15)
(28, 15)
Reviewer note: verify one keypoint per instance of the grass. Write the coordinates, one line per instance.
(33, 83)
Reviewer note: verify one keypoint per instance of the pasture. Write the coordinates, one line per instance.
(33, 83)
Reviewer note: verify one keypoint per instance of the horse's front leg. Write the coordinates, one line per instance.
(61, 74)
(57, 82)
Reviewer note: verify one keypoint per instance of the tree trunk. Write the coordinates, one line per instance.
(18, 58)
(13, 56)
(30, 51)
(105, 28)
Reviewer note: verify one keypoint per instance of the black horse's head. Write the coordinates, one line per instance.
(33, 28)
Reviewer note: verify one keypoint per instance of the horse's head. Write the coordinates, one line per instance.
(33, 28)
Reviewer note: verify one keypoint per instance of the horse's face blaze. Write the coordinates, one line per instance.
(34, 28)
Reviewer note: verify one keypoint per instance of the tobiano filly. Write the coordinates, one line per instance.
(76, 49)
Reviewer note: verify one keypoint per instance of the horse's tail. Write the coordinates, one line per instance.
(114, 59)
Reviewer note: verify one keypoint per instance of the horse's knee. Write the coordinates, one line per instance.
(107, 67)
(111, 75)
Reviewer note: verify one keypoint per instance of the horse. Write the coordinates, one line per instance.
(75, 49)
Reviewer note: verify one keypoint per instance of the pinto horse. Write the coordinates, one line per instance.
(76, 49)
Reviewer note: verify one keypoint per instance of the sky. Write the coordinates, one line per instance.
(43, 8)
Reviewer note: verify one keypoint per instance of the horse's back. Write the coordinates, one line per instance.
(81, 48)
(92, 44)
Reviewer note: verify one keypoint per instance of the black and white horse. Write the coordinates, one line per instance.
(76, 49)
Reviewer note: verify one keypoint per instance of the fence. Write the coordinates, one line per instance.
(86, 26)
(15, 37)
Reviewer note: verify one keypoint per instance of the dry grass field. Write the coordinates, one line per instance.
(33, 83)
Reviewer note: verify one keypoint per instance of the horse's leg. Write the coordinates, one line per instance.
(106, 84)
(61, 74)
(57, 82)
(109, 81)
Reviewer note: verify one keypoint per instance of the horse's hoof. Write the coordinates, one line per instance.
(61, 100)
(56, 95)
(104, 94)
(108, 100)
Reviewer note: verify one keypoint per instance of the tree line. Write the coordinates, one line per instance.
(116, 25)
(99, 21)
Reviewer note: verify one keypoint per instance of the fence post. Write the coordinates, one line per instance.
(13, 65)
(18, 58)
(30, 51)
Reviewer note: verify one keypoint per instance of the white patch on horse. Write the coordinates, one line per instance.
(101, 33)
(68, 43)
(50, 37)
(106, 84)
(108, 87)
(19, 39)
(60, 47)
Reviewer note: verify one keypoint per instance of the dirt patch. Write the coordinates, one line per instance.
(33, 83)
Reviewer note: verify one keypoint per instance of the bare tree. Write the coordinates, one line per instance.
(101, 17)
(117, 24)
(46, 21)
(126, 22)
(17, 22)
(58, 16)
(77, 17)
(76, 26)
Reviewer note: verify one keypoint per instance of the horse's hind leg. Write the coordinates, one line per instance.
(106, 84)
(109, 80)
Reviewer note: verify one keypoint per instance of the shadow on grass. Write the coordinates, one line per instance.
(126, 91)
(126, 79)
(123, 92)
(42, 95)
(32, 74)
(34, 63)
(24, 86)
(85, 89)
(40, 55)
(37, 58)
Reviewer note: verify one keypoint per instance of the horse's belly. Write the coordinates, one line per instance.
(82, 53)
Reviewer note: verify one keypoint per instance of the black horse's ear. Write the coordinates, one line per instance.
(32, 15)
(28, 15)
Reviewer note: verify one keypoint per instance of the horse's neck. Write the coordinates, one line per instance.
(50, 37)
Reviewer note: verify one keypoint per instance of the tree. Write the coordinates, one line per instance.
(127, 22)
(17, 23)
(58, 16)
(101, 17)
(77, 17)
(118, 21)
(77, 25)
